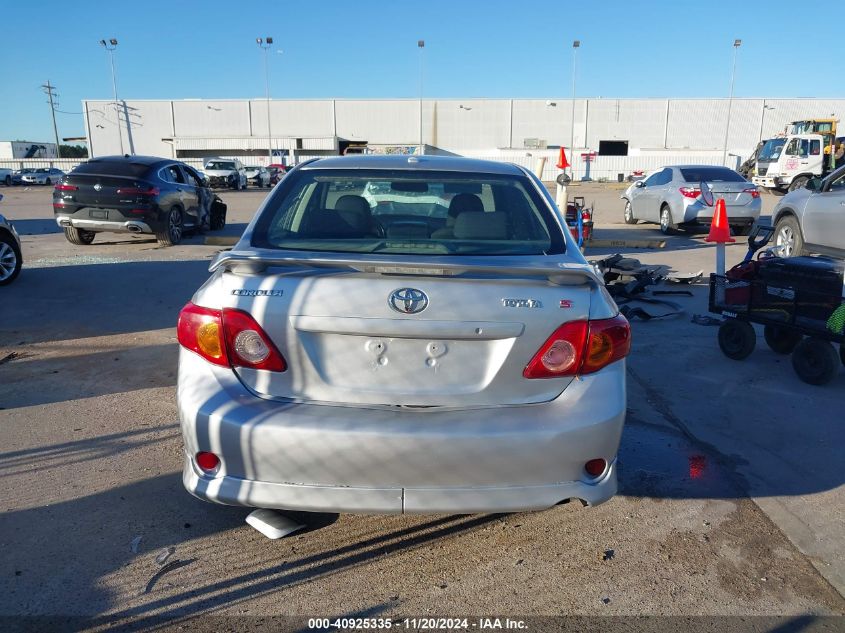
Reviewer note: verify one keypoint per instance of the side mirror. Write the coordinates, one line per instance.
(640, 184)
(814, 184)
(706, 193)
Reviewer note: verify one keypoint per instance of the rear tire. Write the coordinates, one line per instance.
(48, 182)
(737, 339)
(8, 181)
(80, 237)
(10, 259)
(173, 230)
(667, 226)
(788, 239)
(815, 361)
(781, 340)
(629, 213)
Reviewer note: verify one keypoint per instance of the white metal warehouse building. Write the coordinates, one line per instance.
(627, 134)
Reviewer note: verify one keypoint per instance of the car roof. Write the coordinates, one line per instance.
(416, 163)
(138, 160)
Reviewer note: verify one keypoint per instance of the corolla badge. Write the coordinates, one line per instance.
(408, 300)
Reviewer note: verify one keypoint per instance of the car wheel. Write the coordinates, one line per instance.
(218, 216)
(174, 227)
(667, 226)
(736, 339)
(798, 183)
(8, 181)
(815, 361)
(629, 213)
(10, 259)
(48, 182)
(788, 239)
(80, 237)
(781, 340)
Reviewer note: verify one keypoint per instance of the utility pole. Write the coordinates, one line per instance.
(50, 91)
(110, 45)
(737, 44)
(575, 46)
(421, 47)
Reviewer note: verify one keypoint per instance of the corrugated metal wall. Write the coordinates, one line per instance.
(461, 125)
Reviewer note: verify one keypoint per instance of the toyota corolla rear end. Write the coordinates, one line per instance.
(447, 351)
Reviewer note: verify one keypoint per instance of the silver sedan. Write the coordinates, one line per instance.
(812, 219)
(42, 176)
(671, 197)
(447, 350)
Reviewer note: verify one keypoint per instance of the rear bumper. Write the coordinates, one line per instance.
(314, 457)
(128, 226)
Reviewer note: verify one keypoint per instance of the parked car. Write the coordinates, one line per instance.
(18, 174)
(132, 194)
(42, 176)
(812, 219)
(351, 358)
(671, 197)
(257, 175)
(226, 172)
(10, 251)
(6, 176)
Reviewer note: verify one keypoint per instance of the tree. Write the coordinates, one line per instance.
(73, 151)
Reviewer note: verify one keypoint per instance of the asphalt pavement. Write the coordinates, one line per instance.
(730, 503)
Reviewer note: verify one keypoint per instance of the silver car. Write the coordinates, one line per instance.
(10, 252)
(671, 197)
(42, 176)
(812, 219)
(444, 350)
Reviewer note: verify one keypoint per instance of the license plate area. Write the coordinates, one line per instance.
(98, 214)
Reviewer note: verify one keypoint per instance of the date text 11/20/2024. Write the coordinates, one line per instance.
(417, 624)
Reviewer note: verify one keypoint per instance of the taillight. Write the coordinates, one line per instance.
(201, 330)
(138, 191)
(60, 186)
(755, 193)
(581, 347)
(229, 338)
(247, 344)
(690, 192)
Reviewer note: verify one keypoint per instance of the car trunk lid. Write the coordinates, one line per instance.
(370, 334)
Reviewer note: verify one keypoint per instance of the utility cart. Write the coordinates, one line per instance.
(799, 301)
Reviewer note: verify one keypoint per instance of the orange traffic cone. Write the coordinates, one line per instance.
(562, 163)
(720, 232)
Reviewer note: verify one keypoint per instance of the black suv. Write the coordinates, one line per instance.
(135, 194)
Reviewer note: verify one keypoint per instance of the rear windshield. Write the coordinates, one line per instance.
(401, 212)
(710, 174)
(112, 168)
(219, 164)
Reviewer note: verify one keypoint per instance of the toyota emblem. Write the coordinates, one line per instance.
(408, 300)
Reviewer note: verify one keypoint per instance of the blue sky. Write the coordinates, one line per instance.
(367, 48)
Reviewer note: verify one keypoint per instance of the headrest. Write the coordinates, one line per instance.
(464, 202)
(352, 203)
(475, 225)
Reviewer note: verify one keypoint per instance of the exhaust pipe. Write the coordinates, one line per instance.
(134, 228)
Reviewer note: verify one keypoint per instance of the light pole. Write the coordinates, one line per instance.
(737, 44)
(265, 44)
(110, 45)
(575, 46)
(763, 117)
(421, 46)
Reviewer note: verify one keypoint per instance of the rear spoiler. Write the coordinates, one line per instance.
(566, 273)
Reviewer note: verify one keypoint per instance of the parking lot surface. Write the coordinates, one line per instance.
(731, 491)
